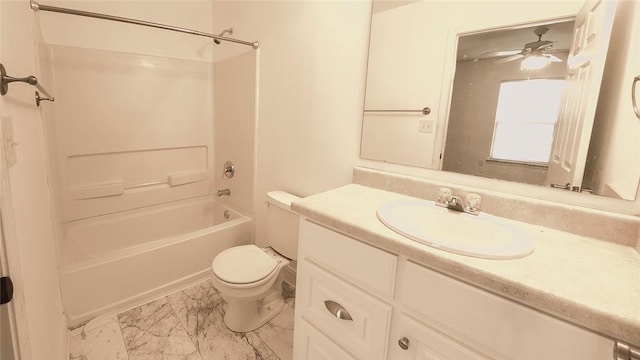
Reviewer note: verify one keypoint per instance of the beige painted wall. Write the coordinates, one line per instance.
(39, 285)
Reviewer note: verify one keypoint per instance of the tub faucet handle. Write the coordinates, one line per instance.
(228, 170)
(224, 192)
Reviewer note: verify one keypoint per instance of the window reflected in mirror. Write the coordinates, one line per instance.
(526, 115)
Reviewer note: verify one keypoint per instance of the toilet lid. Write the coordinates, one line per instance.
(243, 264)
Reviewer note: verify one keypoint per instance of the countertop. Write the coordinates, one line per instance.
(588, 282)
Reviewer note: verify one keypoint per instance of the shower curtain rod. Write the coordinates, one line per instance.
(35, 6)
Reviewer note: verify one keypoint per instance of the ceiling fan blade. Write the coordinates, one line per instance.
(493, 54)
(539, 45)
(508, 58)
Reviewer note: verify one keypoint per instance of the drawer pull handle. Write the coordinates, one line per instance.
(403, 343)
(337, 310)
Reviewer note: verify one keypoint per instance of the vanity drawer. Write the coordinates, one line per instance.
(359, 263)
(351, 317)
(493, 325)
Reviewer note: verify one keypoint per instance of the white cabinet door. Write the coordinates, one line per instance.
(500, 328)
(311, 344)
(411, 340)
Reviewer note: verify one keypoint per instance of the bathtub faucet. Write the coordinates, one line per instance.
(224, 192)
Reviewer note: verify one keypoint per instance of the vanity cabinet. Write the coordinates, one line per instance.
(345, 297)
(356, 301)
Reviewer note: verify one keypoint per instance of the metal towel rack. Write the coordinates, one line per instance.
(423, 111)
(5, 80)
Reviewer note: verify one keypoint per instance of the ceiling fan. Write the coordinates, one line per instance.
(539, 48)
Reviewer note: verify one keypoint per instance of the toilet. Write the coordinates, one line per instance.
(249, 278)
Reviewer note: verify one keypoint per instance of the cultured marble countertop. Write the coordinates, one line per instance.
(588, 282)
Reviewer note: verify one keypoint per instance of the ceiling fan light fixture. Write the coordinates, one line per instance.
(534, 62)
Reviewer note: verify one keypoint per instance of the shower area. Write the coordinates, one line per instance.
(144, 118)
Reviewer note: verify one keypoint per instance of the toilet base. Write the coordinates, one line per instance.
(245, 316)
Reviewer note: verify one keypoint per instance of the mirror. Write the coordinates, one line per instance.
(467, 69)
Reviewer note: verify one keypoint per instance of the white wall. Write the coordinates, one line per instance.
(312, 72)
(44, 316)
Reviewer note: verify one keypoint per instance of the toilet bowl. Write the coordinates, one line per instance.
(249, 278)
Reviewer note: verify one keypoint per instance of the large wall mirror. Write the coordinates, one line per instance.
(520, 91)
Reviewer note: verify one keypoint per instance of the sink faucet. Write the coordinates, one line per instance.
(224, 192)
(470, 204)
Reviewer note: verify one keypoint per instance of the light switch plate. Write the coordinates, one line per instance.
(426, 126)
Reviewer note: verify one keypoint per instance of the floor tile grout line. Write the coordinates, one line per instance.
(183, 326)
(126, 349)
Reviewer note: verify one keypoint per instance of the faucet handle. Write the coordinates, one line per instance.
(472, 203)
(444, 196)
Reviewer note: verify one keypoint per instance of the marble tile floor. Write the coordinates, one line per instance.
(185, 325)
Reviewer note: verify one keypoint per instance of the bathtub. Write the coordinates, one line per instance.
(114, 262)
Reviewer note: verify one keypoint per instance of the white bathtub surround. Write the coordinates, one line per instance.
(184, 325)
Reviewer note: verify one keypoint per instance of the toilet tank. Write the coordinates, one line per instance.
(282, 223)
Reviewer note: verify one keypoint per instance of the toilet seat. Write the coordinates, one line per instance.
(244, 264)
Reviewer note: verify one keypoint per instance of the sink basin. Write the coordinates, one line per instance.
(483, 235)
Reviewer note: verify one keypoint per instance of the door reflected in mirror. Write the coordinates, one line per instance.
(499, 122)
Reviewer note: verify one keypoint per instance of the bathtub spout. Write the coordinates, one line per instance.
(224, 192)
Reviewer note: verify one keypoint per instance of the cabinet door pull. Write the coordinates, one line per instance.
(403, 343)
(337, 310)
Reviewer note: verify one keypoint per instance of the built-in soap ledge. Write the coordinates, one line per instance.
(118, 187)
